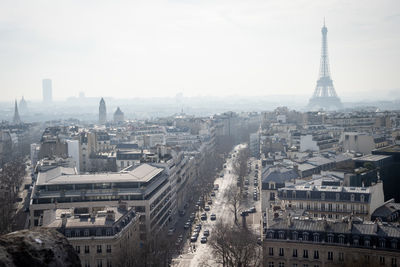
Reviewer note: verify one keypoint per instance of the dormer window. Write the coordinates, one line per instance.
(86, 232)
(322, 196)
(281, 235)
(305, 236)
(355, 241)
(341, 239)
(337, 196)
(362, 198)
(382, 243)
(367, 242)
(294, 235)
(352, 197)
(330, 238)
(316, 237)
(308, 194)
(394, 243)
(294, 194)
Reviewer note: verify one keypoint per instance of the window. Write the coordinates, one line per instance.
(281, 252)
(99, 263)
(87, 264)
(330, 255)
(352, 197)
(308, 206)
(305, 236)
(78, 249)
(294, 265)
(281, 235)
(341, 256)
(281, 264)
(68, 233)
(366, 242)
(355, 241)
(308, 194)
(316, 254)
(271, 251)
(77, 233)
(271, 264)
(394, 244)
(295, 252)
(305, 265)
(382, 260)
(341, 239)
(322, 196)
(316, 237)
(330, 207)
(305, 253)
(109, 263)
(366, 258)
(382, 243)
(108, 232)
(98, 248)
(362, 198)
(108, 248)
(87, 249)
(86, 232)
(322, 206)
(394, 262)
(294, 235)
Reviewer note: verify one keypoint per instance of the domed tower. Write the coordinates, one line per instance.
(118, 116)
(102, 112)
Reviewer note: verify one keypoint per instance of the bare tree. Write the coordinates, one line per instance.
(235, 246)
(11, 177)
(233, 196)
(240, 164)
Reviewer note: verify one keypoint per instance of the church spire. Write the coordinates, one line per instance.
(16, 119)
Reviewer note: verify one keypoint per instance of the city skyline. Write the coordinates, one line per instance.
(126, 50)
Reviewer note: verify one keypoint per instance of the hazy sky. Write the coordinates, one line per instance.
(198, 47)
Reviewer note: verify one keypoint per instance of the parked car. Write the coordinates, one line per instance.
(186, 226)
(213, 217)
(209, 202)
(193, 238)
(213, 194)
(252, 209)
(203, 217)
(203, 240)
(206, 232)
(207, 208)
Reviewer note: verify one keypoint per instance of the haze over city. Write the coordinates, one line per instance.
(127, 49)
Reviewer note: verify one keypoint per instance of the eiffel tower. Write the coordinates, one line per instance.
(324, 96)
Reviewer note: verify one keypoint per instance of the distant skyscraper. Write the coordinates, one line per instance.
(47, 91)
(102, 112)
(118, 116)
(324, 96)
(16, 119)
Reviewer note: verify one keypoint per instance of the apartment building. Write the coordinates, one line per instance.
(101, 237)
(333, 201)
(302, 241)
(145, 187)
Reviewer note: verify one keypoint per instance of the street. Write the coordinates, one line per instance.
(198, 254)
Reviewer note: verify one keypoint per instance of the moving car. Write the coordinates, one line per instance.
(209, 202)
(193, 238)
(213, 194)
(203, 217)
(203, 240)
(252, 209)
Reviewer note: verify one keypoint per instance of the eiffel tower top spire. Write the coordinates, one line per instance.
(16, 119)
